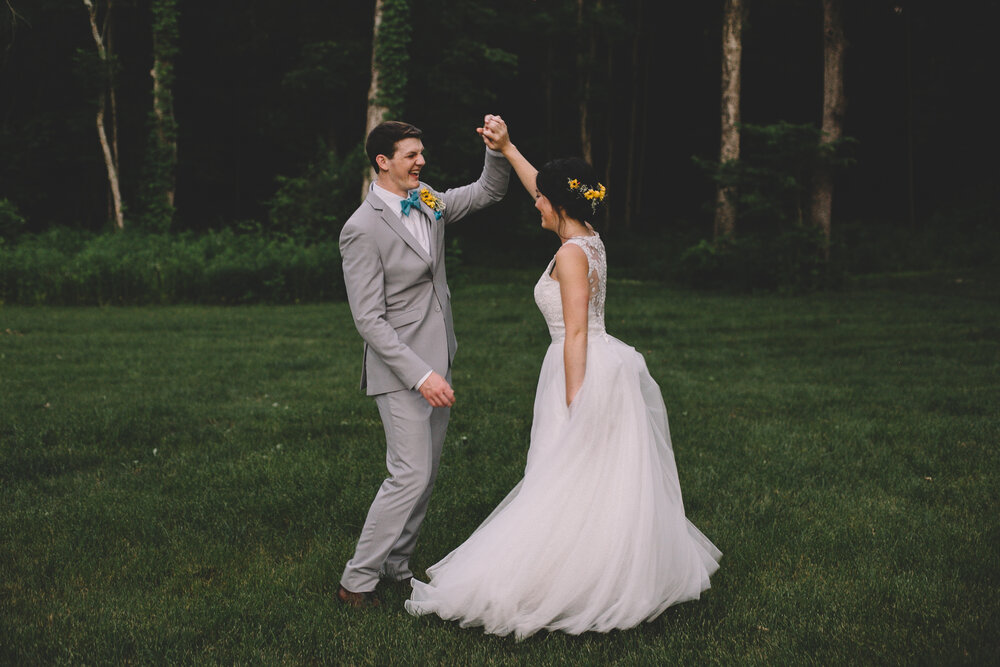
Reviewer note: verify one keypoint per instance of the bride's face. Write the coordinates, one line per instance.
(550, 216)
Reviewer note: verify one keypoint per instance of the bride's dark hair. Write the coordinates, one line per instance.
(553, 181)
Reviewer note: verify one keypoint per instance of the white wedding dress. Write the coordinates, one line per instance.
(594, 537)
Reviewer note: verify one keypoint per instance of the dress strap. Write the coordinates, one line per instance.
(589, 247)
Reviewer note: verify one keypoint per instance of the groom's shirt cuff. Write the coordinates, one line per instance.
(422, 380)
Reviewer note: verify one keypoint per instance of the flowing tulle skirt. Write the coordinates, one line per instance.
(594, 537)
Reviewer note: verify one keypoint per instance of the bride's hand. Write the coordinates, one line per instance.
(494, 132)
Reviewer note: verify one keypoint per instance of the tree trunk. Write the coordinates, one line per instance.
(391, 35)
(834, 106)
(165, 46)
(733, 17)
(585, 65)
(911, 196)
(112, 90)
(108, 146)
(610, 154)
(549, 125)
(643, 132)
(376, 111)
(112, 167)
(630, 160)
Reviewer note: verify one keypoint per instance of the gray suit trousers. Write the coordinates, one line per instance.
(414, 435)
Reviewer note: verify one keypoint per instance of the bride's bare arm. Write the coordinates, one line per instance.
(495, 135)
(524, 169)
(574, 289)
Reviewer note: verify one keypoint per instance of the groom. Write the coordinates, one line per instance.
(394, 270)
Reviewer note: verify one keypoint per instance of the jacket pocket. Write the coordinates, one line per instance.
(397, 320)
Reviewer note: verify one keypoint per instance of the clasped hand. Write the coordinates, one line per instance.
(494, 132)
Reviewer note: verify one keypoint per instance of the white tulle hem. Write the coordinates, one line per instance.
(594, 537)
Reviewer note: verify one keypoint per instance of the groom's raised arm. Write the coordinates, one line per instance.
(363, 278)
(488, 189)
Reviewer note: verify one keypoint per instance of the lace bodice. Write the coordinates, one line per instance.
(548, 298)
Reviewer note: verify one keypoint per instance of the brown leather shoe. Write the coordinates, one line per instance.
(357, 600)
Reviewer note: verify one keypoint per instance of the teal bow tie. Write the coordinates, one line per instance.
(413, 200)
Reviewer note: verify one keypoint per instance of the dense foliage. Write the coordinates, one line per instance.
(269, 107)
(775, 245)
(66, 267)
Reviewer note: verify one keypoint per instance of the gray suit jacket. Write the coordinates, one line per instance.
(398, 294)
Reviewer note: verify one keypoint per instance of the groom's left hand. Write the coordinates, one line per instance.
(436, 391)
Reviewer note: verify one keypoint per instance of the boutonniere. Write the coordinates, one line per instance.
(436, 204)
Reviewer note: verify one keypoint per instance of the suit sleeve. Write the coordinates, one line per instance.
(363, 277)
(488, 189)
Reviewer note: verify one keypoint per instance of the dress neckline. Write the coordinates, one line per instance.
(582, 236)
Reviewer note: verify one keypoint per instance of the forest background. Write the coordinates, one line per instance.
(184, 483)
(238, 163)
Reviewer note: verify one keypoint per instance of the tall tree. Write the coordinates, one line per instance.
(834, 107)
(585, 60)
(911, 197)
(390, 57)
(633, 124)
(163, 157)
(609, 157)
(107, 105)
(733, 16)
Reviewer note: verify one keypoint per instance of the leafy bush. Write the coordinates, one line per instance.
(316, 203)
(31, 271)
(774, 244)
(769, 183)
(790, 260)
(11, 221)
(64, 267)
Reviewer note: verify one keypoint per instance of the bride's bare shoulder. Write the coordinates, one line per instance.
(570, 261)
(571, 252)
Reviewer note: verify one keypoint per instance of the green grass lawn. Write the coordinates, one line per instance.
(184, 484)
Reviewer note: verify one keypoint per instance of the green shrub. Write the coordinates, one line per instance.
(32, 273)
(250, 269)
(11, 221)
(769, 184)
(790, 260)
(315, 204)
(775, 246)
(63, 267)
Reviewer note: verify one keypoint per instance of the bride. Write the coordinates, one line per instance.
(594, 536)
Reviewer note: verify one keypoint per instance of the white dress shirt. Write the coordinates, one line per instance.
(416, 222)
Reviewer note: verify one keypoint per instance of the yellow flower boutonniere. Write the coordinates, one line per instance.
(436, 204)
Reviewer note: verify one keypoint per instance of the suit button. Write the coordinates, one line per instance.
(437, 309)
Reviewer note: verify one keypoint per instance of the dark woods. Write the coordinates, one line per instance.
(253, 126)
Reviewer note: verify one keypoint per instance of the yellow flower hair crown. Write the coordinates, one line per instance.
(594, 195)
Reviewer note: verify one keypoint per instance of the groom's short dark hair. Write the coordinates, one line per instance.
(382, 140)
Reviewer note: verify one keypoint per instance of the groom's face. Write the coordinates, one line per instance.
(401, 172)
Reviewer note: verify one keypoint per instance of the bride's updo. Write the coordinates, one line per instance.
(571, 184)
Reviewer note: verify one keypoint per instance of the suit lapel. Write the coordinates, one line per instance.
(391, 219)
(436, 227)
